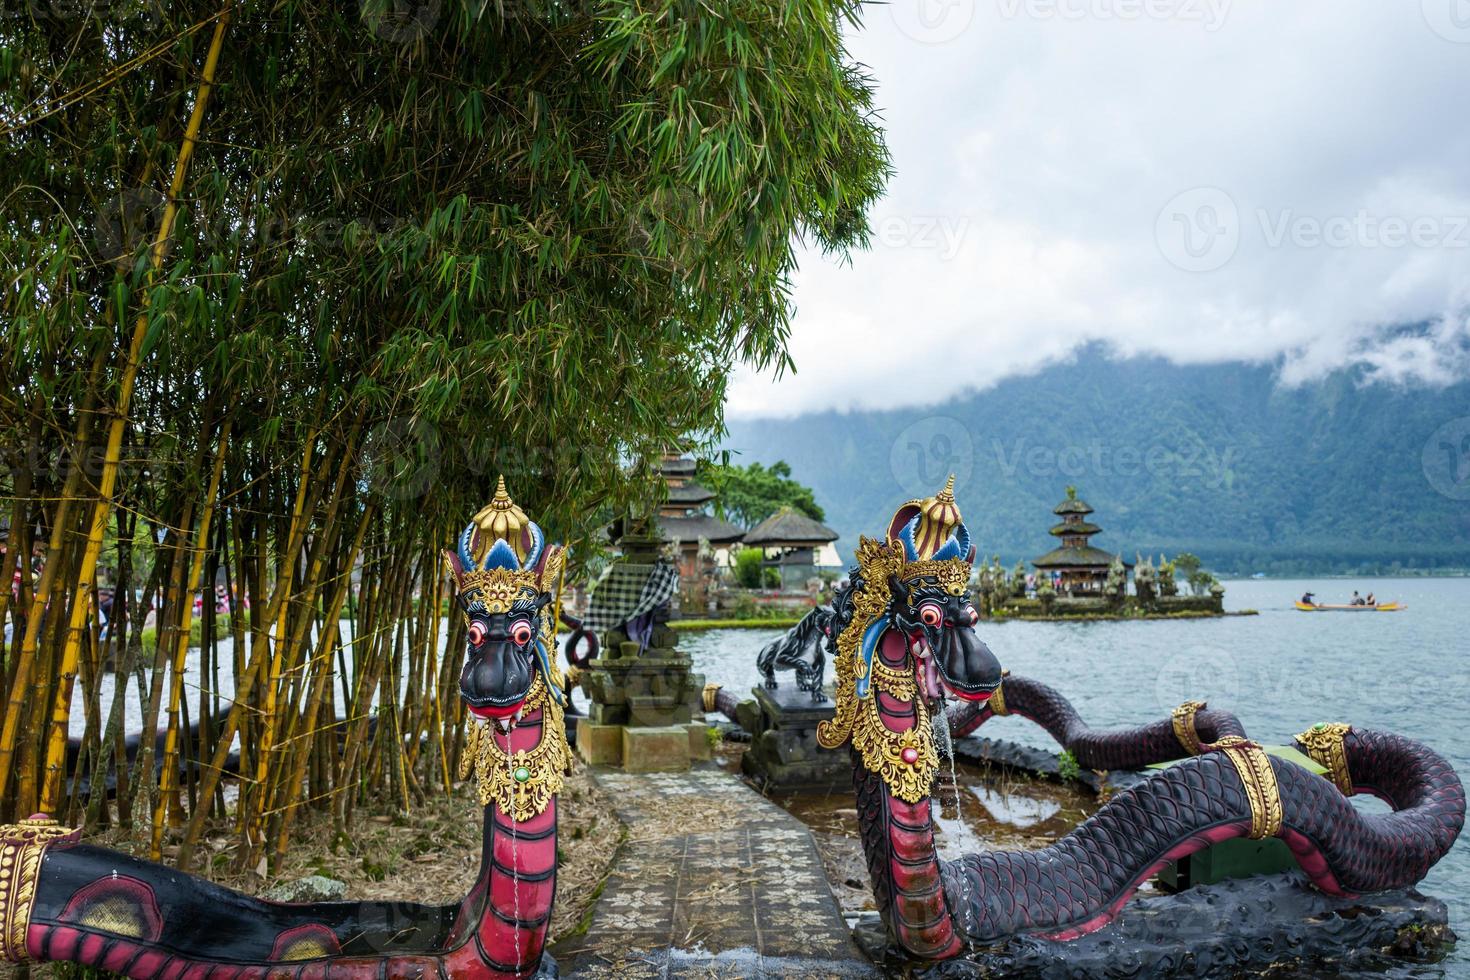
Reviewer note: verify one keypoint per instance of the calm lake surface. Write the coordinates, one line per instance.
(1280, 671)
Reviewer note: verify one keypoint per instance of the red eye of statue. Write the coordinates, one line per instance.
(521, 632)
(931, 614)
(477, 634)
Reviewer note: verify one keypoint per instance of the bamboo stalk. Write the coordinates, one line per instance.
(21, 683)
(61, 710)
(168, 779)
(260, 657)
(321, 683)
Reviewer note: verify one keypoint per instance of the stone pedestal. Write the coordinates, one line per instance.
(644, 702)
(663, 749)
(784, 755)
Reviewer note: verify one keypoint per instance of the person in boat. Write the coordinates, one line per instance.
(1357, 599)
(1309, 599)
(1372, 600)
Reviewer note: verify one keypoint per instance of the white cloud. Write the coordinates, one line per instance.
(1200, 179)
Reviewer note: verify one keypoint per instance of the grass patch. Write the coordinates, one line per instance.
(769, 622)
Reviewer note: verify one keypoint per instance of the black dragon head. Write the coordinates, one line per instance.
(940, 626)
(504, 573)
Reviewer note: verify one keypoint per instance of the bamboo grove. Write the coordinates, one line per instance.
(285, 286)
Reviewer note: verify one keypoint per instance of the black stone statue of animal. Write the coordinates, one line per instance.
(803, 649)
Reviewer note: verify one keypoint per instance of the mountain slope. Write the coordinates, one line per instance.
(1219, 459)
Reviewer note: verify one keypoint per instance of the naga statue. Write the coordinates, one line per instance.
(63, 900)
(911, 643)
(801, 649)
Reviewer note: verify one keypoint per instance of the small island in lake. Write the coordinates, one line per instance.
(1079, 581)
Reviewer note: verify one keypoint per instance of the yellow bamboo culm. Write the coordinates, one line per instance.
(168, 778)
(321, 681)
(20, 685)
(101, 514)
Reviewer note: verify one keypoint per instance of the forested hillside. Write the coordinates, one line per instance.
(1222, 460)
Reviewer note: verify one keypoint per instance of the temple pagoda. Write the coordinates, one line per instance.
(685, 517)
(1076, 568)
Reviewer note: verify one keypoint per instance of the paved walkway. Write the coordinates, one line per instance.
(714, 880)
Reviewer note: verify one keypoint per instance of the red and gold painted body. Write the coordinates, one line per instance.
(893, 673)
(63, 900)
(101, 908)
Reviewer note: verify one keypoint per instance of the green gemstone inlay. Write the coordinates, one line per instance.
(522, 774)
(1321, 726)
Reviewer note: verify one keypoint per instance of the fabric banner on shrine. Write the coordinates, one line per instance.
(626, 591)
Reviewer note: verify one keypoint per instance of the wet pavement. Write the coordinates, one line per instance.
(713, 880)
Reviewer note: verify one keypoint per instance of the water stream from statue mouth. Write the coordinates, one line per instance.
(944, 742)
(515, 860)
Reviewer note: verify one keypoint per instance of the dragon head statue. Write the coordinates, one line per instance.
(506, 577)
(907, 631)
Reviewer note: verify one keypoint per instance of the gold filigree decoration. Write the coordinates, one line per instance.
(1184, 726)
(1253, 766)
(905, 760)
(997, 701)
(953, 574)
(498, 588)
(876, 563)
(899, 683)
(1323, 743)
(710, 690)
(520, 784)
(22, 846)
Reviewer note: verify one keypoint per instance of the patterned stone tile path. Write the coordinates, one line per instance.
(714, 880)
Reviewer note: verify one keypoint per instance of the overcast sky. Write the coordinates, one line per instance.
(1202, 179)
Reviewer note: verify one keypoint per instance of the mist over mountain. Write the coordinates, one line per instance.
(1334, 476)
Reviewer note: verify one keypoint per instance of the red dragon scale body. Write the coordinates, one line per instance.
(905, 645)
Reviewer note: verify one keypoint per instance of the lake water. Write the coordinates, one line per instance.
(1280, 671)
